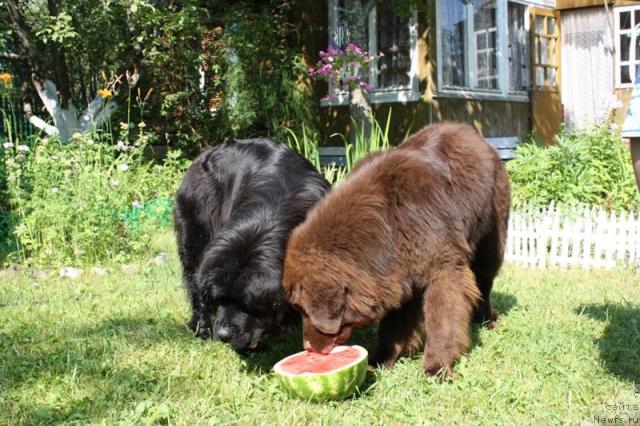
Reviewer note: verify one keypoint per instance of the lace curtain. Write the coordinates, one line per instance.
(587, 64)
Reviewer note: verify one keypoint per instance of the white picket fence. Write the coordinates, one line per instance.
(580, 237)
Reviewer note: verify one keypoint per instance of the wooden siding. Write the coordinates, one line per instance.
(575, 4)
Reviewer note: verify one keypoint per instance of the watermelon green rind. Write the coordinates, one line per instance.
(333, 385)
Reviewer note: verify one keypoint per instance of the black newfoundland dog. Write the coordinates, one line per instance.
(236, 206)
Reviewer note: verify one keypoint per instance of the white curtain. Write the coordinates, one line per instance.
(587, 66)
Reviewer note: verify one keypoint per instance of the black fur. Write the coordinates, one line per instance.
(236, 206)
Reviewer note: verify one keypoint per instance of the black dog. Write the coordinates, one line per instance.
(236, 206)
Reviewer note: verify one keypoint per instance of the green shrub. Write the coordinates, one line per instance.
(590, 166)
(86, 202)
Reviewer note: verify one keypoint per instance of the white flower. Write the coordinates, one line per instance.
(55, 189)
(23, 148)
(114, 182)
(615, 103)
(142, 125)
(121, 146)
(45, 141)
(76, 135)
(7, 145)
(136, 203)
(123, 167)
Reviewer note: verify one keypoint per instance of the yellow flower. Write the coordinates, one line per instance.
(5, 78)
(105, 93)
(76, 135)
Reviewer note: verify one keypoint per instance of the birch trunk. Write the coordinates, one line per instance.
(359, 106)
(360, 111)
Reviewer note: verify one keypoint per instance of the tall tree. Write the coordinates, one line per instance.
(44, 35)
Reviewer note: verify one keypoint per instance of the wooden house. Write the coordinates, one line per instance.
(509, 68)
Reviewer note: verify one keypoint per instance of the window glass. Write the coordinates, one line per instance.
(628, 49)
(451, 18)
(625, 20)
(394, 41)
(343, 33)
(625, 44)
(625, 75)
(519, 71)
(485, 34)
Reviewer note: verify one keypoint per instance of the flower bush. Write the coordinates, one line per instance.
(76, 203)
(344, 70)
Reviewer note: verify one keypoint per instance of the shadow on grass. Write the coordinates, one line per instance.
(89, 354)
(619, 344)
(503, 302)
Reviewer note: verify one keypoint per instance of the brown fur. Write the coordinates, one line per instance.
(413, 239)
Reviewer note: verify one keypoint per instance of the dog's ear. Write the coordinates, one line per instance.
(326, 308)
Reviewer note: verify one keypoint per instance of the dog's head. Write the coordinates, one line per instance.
(241, 275)
(334, 265)
(249, 311)
(332, 295)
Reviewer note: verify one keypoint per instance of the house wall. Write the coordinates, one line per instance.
(492, 118)
(574, 4)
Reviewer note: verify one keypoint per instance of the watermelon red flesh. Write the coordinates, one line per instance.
(336, 376)
(311, 362)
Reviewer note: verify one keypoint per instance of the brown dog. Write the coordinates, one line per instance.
(413, 238)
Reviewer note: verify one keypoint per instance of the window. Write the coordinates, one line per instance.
(393, 76)
(627, 24)
(483, 47)
(519, 53)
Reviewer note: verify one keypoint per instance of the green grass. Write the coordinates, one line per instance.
(115, 350)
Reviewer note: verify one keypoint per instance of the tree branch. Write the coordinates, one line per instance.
(31, 117)
(24, 38)
(366, 9)
(10, 56)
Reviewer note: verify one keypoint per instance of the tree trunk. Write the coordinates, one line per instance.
(359, 107)
(360, 111)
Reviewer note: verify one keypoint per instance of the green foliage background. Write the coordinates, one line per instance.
(258, 66)
(589, 166)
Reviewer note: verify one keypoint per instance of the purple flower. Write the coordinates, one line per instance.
(355, 49)
(343, 69)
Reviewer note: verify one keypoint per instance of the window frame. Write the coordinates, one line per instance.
(632, 50)
(409, 93)
(468, 91)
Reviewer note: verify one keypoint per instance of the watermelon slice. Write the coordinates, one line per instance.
(318, 377)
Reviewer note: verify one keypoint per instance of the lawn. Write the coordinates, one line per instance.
(115, 349)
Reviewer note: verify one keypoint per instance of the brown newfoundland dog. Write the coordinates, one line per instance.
(413, 239)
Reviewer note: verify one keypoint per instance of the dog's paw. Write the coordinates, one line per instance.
(204, 330)
(442, 373)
